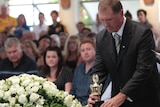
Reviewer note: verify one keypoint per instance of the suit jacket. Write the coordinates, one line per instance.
(134, 71)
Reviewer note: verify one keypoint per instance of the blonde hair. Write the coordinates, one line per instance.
(33, 47)
(66, 50)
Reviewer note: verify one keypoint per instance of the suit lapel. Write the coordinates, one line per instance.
(126, 37)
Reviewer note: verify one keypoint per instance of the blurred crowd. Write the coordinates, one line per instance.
(51, 51)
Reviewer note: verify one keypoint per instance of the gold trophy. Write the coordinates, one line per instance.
(96, 89)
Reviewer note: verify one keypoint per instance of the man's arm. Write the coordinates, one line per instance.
(98, 67)
(145, 62)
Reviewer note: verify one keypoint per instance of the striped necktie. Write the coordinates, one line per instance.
(117, 42)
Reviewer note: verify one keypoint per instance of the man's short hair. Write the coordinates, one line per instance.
(91, 34)
(85, 28)
(54, 11)
(12, 41)
(63, 33)
(80, 23)
(142, 10)
(43, 37)
(115, 5)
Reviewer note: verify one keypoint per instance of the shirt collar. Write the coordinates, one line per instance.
(120, 31)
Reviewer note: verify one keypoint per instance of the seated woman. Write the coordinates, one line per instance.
(71, 52)
(30, 48)
(81, 80)
(55, 71)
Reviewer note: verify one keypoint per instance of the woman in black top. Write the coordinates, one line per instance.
(54, 69)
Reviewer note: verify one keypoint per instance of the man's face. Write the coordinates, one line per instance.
(87, 52)
(41, 17)
(3, 10)
(14, 53)
(54, 17)
(62, 39)
(80, 26)
(141, 17)
(43, 44)
(112, 21)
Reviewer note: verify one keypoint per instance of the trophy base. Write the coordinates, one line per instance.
(98, 104)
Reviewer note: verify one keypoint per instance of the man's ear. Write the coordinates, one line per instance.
(121, 12)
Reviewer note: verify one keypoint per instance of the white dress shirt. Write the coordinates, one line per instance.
(38, 29)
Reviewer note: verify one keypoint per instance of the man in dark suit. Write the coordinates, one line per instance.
(132, 69)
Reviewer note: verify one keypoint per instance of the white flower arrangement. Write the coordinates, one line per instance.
(32, 91)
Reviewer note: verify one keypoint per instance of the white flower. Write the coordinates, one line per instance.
(68, 100)
(12, 100)
(49, 85)
(35, 89)
(17, 105)
(33, 97)
(78, 105)
(25, 82)
(7, 95)
(75, 103)
(50, 88)
(39, 106)
(14, 79)
(36, 83)
(21, 90)
(2, 93)
(13, 88)
(30, 90)
(62, 94)
(4, 105)
(22, 99)
(40, 101)
(5, 87)
(1, 83)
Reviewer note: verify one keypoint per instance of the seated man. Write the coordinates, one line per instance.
(81, 80)
(17, 61)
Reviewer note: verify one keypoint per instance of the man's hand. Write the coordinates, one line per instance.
(116, 101)
(92, 99)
